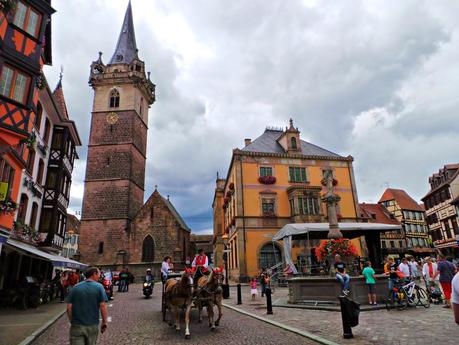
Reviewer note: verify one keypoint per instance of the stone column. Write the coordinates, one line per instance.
(331, 199)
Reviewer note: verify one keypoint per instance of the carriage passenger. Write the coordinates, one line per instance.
(166, 266)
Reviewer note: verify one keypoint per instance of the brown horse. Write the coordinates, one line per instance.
(178, 294)
(209, 293)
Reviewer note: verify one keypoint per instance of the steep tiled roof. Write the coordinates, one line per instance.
(402, 198)
(267, 143)
(58, 95)
(377, 213)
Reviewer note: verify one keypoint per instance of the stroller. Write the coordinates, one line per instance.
(435, 294)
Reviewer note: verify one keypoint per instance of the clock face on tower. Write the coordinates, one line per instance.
(112, 118)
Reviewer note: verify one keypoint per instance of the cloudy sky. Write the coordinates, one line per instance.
(374, 79)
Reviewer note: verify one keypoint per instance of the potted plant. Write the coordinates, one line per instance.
(8, 206)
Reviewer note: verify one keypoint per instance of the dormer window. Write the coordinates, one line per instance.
(114, 99)
(293, 143)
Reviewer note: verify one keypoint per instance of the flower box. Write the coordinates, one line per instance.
(8, 206)
(267, 179)
(323, 182)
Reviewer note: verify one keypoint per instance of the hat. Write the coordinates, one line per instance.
(148, 269)
(427, 258)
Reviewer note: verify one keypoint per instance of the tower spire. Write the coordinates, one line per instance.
(126, 48)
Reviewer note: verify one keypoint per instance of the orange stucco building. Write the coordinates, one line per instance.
(273, 181)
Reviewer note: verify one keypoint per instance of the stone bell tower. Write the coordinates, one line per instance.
(115, 170)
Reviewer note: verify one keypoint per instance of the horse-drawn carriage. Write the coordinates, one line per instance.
(180, 292)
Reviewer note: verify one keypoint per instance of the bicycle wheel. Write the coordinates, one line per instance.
(390, 300)
(422, 297)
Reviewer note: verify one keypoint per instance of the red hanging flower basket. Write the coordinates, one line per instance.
(323, 182)
(342, 246)
(267, 179)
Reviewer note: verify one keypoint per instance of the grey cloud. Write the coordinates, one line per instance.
(263, 62)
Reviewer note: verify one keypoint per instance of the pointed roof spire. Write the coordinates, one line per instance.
(126, 48)
(58, 95)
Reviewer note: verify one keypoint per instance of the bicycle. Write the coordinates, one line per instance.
(409, 294)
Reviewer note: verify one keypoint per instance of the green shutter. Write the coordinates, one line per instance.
(303, 175)
(292, 173)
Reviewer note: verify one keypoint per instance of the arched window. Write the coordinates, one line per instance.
(100, 250)
(148, 249)
(47, 130)
(270, 255)
(23, 208)
(293, 141)
(38, 116)
(114, 98)
(41, 169)
(33, 217)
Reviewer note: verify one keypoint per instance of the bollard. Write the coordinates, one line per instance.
(269, 305)
(239, 294)
(345, 317)
(226, 291)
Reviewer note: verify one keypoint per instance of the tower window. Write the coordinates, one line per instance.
(100, 250)
(293, 143)
(114, 99)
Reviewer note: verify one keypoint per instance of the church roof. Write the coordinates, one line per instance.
(126, 48)
(267, 143)
(176, 214)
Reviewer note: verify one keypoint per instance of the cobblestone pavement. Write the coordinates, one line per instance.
(418, 326)
(138, 321)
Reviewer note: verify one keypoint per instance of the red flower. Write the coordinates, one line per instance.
(267, 179)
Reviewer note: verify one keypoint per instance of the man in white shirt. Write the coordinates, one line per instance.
(455, 297)
(405, 268)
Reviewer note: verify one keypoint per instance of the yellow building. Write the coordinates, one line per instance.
(275, 180)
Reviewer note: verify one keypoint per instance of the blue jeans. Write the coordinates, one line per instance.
(344, 280)
(391, 283)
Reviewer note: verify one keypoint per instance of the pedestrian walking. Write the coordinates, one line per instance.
(84, 303)
(253, 288)
(63, 286)
(123, 280)
(446, 272)
(370, 281)
(129, 280)
(263, 281)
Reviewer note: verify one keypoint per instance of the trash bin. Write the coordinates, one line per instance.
(226, 291)
(350, 311)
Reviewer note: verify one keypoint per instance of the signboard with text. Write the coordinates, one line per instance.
(3, 190)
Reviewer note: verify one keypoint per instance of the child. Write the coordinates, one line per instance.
(253, 288)
(369, 274)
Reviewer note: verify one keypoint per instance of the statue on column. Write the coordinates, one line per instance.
(331, 200)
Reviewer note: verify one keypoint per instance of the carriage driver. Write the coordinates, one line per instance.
(199, 265)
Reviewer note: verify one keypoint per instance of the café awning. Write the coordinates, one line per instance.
(56, 260)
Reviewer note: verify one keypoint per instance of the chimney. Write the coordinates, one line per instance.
(247, 141)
